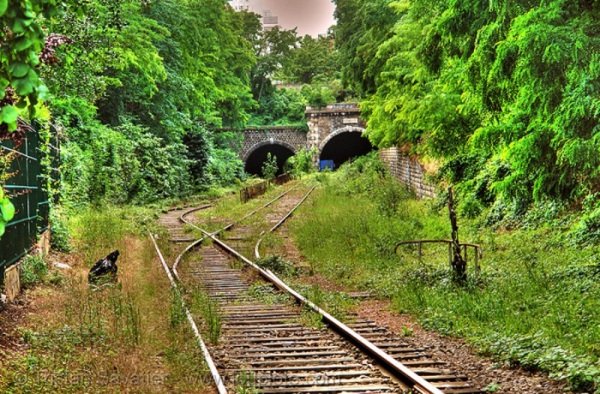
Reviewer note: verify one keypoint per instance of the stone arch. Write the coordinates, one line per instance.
(346, 129)
(343, 145)
(270, 141)
(256, 156)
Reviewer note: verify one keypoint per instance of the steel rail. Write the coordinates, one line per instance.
(410, 378)
(203, 348)
(226, 228)
(175, 279)
(280, 223)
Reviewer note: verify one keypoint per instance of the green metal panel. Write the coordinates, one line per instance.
(26, 188)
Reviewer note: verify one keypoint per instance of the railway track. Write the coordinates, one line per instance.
(265, 346)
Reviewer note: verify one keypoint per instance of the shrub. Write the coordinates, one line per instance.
(587, 230)
(278, 265)
(60, 238)
(301, 162)
(269, 168)
(33, 270)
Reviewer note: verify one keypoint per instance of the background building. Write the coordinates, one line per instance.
(312, 17)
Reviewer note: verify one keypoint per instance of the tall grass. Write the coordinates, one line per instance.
(111, 339)
(536, 302)
(208, 309)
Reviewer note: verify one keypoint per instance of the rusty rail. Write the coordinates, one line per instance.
(478, 251)
(415, 382)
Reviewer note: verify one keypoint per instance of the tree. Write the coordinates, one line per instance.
(362, 25)
(314, 58)
(503, 92)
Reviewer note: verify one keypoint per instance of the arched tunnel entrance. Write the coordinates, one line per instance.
(257, 157)
(345, 146)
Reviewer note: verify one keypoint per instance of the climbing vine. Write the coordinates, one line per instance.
(21, 43)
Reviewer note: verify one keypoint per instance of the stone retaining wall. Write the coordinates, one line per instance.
(408, 171)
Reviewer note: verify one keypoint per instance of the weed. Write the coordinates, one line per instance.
(33, 270)
(176, 309)
(60, 238)
(535, 279)
(407, 332)
(337, 304)
(312, 319)
(492, 388)
(266, 294)
(246, 383)
(278, 265)
(211, 316)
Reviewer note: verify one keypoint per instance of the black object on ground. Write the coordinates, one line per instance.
(104, 269)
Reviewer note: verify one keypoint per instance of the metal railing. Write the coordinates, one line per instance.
(477, 250)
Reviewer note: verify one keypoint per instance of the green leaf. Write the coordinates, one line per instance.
(2, 224)
(19, 70)
(7, 209)
(24, 87)
(23, 44)
(3, 6)
(9, 114)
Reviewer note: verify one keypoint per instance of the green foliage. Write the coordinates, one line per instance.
(137, 91)
(587, 230)
(208, 308)
(22, 41)
(281, 107)
(269, 167)
(59, 232)
(318, 95)
(512, 83)
(536, 288)
(362, 25)
(33, 270)
(278, 265)
(7, 212)
(313, 59)
(225, 167)
(301, 163)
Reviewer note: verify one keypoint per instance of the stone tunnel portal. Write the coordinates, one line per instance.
(345, 146)
(256, 158)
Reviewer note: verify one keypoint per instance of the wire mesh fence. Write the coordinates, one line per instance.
(32, 168)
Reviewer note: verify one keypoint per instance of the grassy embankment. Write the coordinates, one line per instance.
(128, 337)
(536, 302)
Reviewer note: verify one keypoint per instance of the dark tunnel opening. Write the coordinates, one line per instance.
(345, 146)
(255, 161)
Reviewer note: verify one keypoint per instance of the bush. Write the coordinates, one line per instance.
(33, 270)
(278, 265)
(59, 233)
(318, 95)
(225, 167)
(587, 230)
(269, 168)
(301, 162)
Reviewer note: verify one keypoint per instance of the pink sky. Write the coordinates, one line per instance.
(312, 17)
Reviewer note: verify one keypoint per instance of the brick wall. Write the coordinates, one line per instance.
(408, 171)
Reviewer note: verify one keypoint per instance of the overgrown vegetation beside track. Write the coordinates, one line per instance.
(124, 337)
(535, 303)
